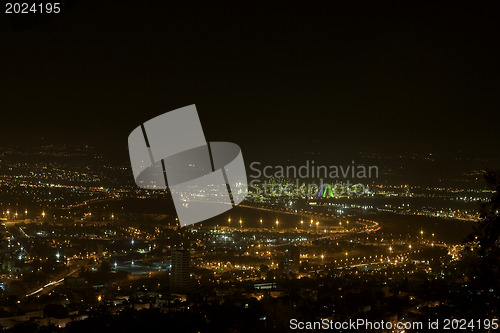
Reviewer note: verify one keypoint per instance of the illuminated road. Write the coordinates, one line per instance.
(51, 284)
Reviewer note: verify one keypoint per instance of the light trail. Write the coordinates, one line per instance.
(53, 283)
(47, 285)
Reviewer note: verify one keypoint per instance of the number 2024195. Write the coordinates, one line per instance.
(32, 8)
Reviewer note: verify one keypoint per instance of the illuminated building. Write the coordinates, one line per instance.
(180, 280)
(292, 260)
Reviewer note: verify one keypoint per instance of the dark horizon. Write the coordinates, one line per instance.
(370, 76)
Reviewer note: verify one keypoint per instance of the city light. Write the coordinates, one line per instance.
(369, 122)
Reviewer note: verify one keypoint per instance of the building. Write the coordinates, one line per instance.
(292, 260)
(180, 279)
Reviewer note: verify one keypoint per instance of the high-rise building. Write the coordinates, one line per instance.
(292, 260)
(180, 279)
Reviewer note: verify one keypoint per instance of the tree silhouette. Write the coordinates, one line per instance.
(481, 261)
(487, 233)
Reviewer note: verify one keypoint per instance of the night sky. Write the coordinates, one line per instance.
(375, 75)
